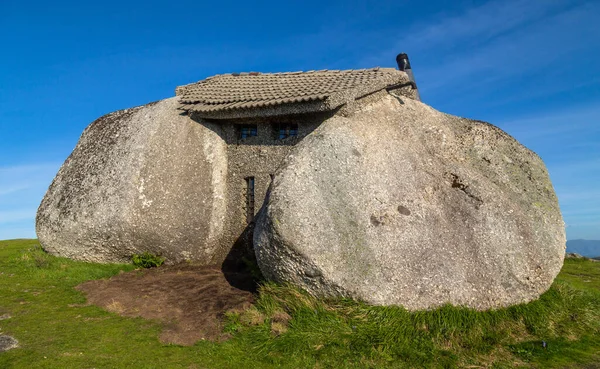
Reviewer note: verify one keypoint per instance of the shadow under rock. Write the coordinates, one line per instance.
(240, 268)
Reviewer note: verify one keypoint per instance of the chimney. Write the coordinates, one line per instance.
(404, 65)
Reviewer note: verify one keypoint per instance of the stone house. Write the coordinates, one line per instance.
(372, 194)
(185, 177)
(261, 116)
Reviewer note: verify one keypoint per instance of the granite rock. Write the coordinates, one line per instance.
(142, 179)
(7, 343)
(396, 203)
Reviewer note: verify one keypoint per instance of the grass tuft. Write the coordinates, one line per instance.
(147, 260)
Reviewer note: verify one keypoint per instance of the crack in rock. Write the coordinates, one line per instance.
(458, 183)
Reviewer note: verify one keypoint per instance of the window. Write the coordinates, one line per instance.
(248, 130)
(249, 199)
(287, 130)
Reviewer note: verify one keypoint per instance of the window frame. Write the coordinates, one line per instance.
(246, 131)
(286, 130)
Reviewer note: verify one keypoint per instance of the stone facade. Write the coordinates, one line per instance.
(257, 157)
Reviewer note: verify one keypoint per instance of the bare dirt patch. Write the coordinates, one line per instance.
(189, 300)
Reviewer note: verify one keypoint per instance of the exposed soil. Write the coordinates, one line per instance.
(189, 300)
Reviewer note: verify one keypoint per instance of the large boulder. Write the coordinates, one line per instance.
(399, 204)
(141, 179)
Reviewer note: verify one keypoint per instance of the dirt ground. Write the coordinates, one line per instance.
(189, 300)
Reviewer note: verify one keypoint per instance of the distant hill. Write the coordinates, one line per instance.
(589, 248)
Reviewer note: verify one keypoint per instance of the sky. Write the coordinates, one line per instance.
(531, 67)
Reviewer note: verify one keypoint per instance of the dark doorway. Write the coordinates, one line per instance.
(249, 199)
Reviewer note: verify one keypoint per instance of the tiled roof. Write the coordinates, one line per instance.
(225, 95)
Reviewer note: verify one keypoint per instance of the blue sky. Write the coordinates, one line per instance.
(530, 67)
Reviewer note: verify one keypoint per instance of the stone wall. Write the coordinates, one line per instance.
(259, 157)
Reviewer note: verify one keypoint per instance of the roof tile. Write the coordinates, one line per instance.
(253, 90)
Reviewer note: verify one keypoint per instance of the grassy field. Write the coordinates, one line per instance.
(289, 329)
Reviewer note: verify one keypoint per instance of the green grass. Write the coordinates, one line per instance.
(147, 260)
(287, 328)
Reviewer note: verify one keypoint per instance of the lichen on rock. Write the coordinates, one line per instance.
(398, 203)
(146, 179)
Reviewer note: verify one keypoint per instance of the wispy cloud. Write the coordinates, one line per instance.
(9, 190)
(7, 233)
(25, 182)
(495, 46)
(18, 177)
(592, 212)
(15, 170)
(477, 25)
(15, 216)
(569, 169)
(21, 190)
(575, 182)
(536, 44)
(576, 119)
